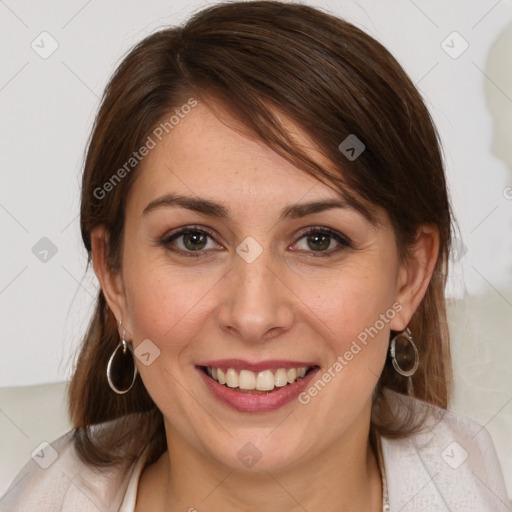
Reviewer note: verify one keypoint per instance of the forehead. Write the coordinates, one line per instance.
(209, 155)
(205, 155)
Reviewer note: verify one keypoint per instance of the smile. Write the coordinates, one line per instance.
(263, 381)
(256, 387)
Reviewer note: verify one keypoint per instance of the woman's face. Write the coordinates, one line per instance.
(249, 277)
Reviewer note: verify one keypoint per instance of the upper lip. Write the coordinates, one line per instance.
(269, 364)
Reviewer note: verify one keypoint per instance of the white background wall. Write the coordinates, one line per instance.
(48, 106)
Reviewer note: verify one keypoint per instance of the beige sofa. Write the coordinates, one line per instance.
(29, 415)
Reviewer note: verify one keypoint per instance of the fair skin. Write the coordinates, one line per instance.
(283, 305)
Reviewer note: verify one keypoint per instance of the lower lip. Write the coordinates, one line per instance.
(246, 402)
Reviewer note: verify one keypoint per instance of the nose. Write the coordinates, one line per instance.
(256, 304)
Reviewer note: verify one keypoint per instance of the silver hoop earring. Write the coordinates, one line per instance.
(121, 368)
(404, 354)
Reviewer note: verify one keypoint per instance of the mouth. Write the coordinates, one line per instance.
(256, 387)
(257, 383)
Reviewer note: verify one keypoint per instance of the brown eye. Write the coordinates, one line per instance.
(322, 240)
(188, 241)
(194, 241)
(319, 241)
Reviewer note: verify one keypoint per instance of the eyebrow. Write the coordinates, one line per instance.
(213, 209)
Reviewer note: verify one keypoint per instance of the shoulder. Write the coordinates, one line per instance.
(56, 479)
(449, 463)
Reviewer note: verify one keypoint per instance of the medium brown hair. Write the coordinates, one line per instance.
(330, 78)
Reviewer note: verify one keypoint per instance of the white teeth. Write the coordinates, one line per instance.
(232, 378)
(265, 380)
(280, 378)
(246, 380)
(291, 375)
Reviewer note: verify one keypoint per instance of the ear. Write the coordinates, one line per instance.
(111, 281)
(415, 273)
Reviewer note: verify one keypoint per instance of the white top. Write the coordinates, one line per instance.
(450, 465)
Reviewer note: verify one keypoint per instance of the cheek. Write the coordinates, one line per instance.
(167, 308)
(164, 302)
(354, 316)
(352, 301)
(353, 319)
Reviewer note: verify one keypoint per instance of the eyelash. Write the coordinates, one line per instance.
(345, 242)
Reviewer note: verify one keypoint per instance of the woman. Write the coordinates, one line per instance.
(265, 208)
